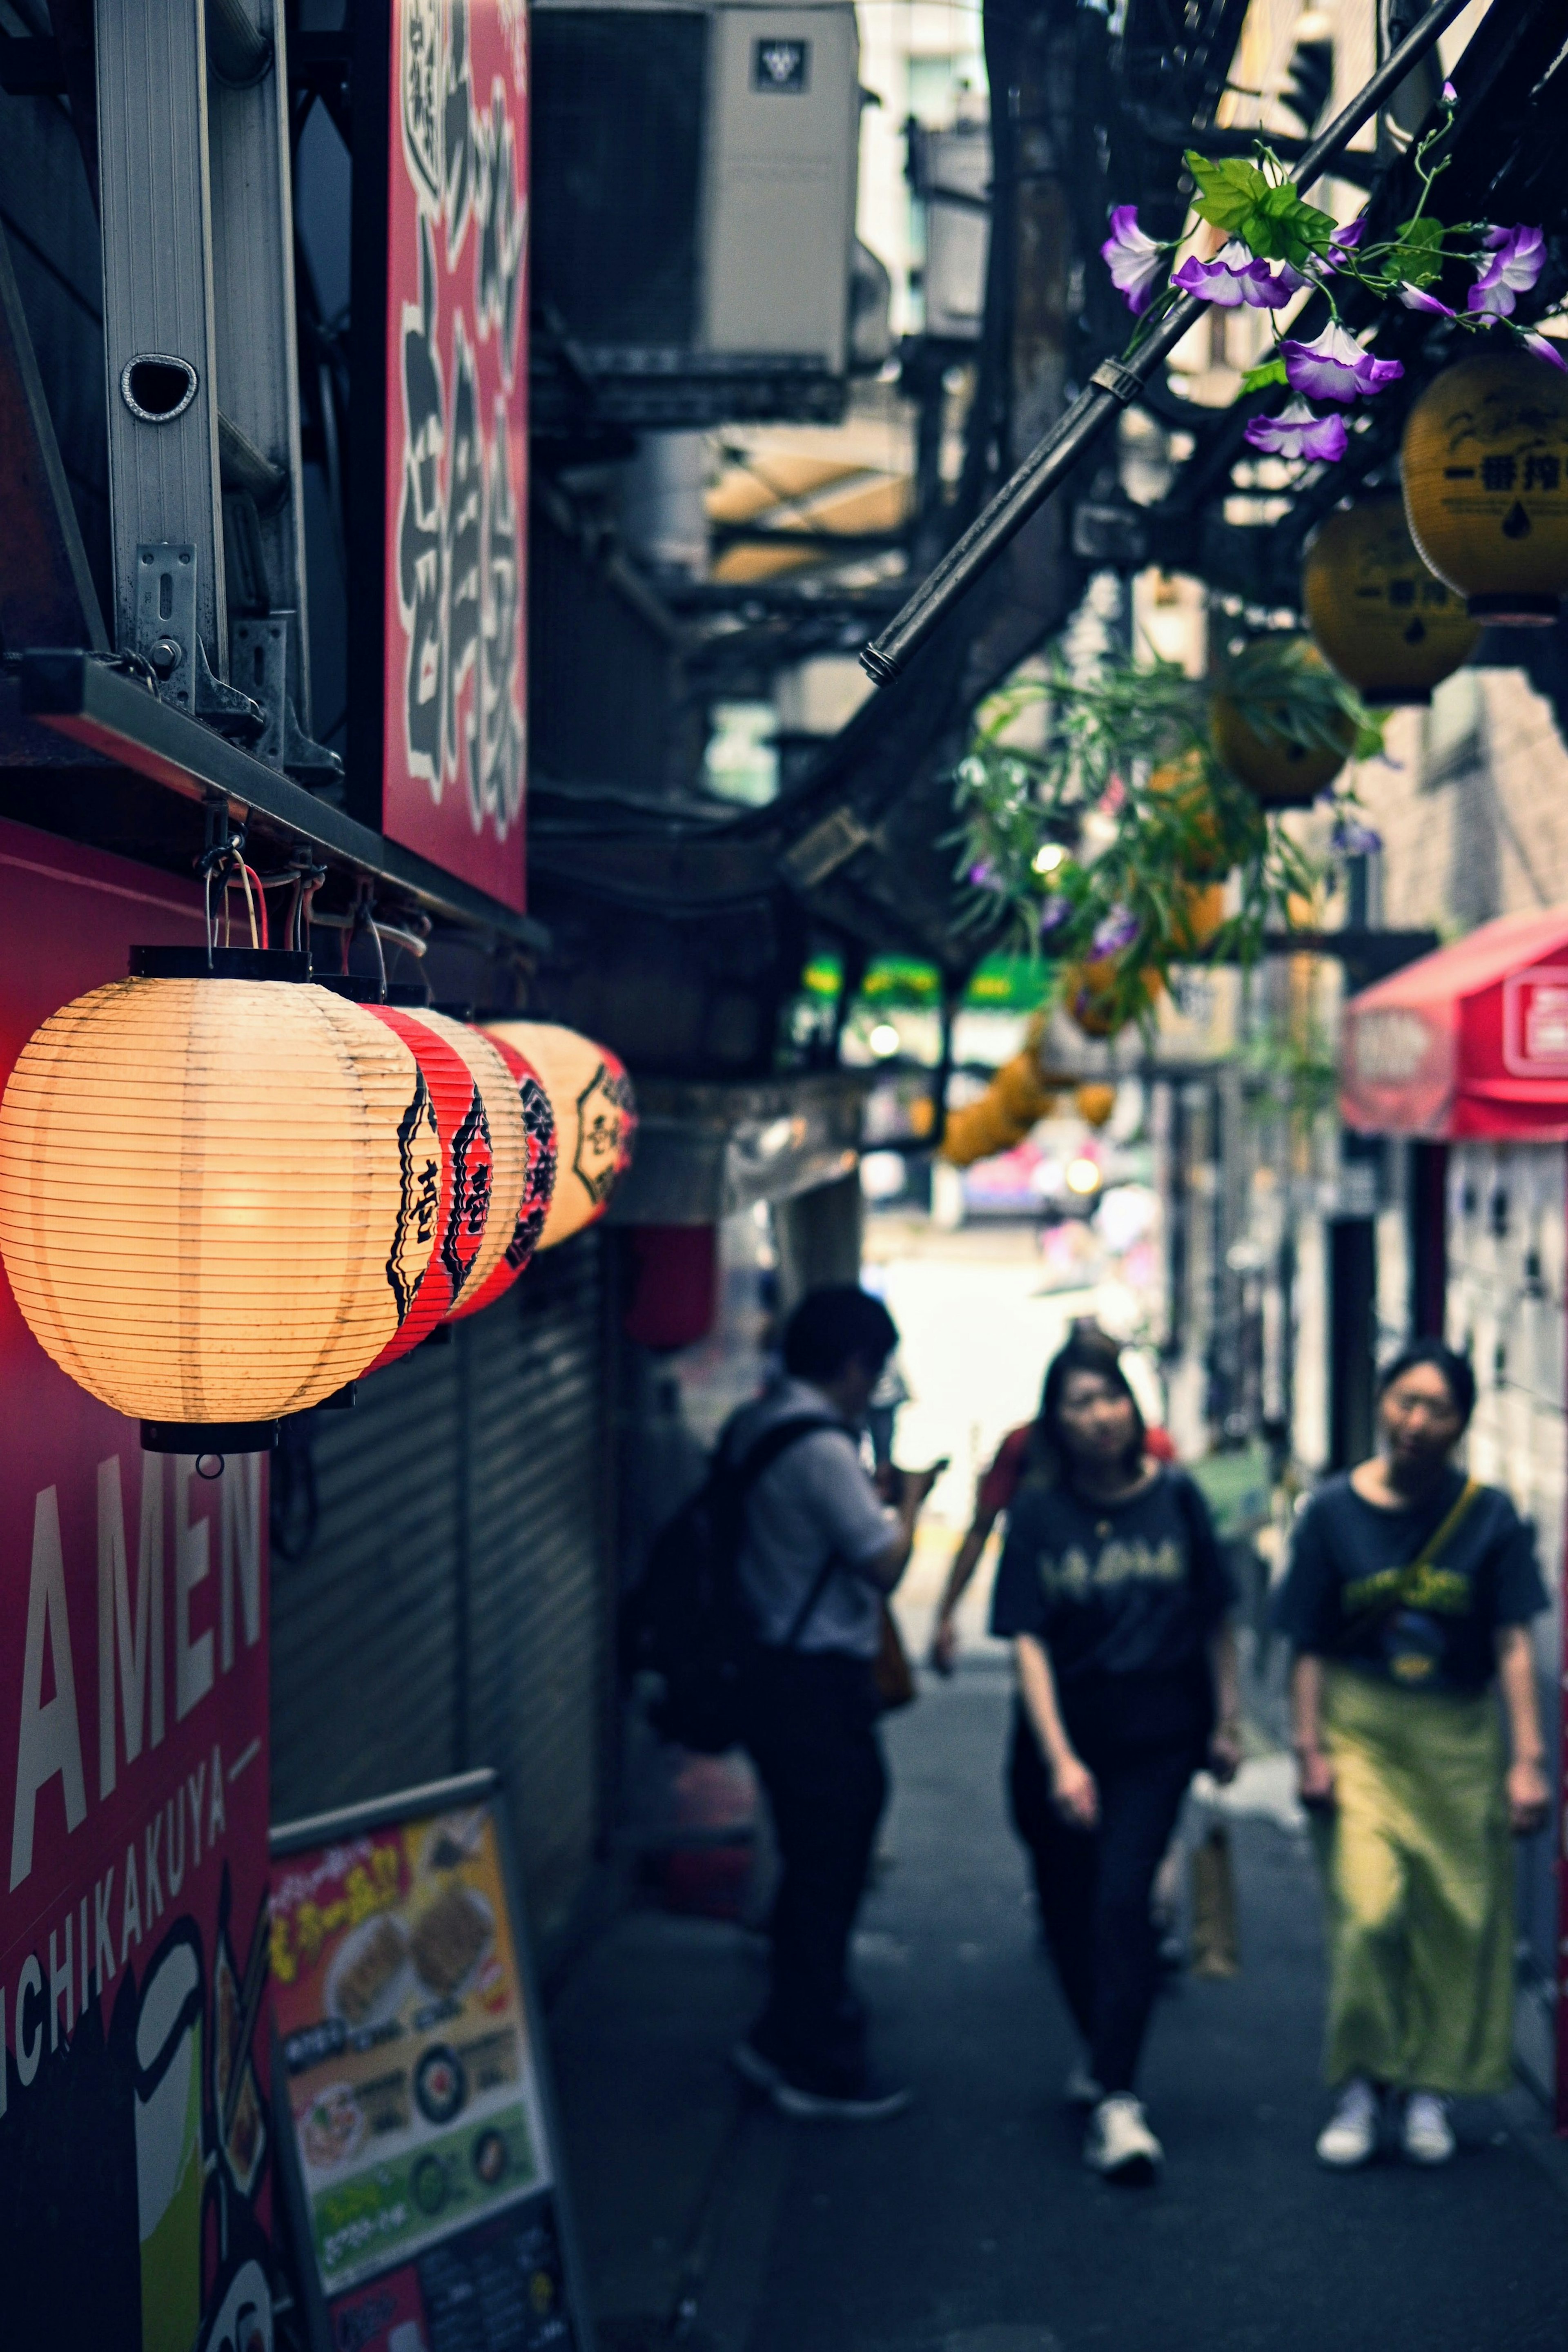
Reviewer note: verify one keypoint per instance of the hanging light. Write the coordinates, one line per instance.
(495, 1148)
(595, 1117)
(452, 1178)
(539, 1188)
(1277, 769)
(209, 1211)
(1485, 468)
(1386, 622)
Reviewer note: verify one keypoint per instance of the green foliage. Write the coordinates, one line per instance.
(1127, 813)
(1266, 215)
(1266, 371)
(1417, 256)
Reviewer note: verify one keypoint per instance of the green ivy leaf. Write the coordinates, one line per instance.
(1283, 227)
(1229, 190)
(1417, 256)
(1266, 372)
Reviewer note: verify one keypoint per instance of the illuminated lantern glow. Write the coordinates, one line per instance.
(1278, 770)
(539, 1188)
(443, 1177)
(595, 1117)
(1485, 469)
(1385, 622)
(490, 1156)
(209, 1193)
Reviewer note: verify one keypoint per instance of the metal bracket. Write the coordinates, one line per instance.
(168, 641)
(1123, 384)
(261, 653)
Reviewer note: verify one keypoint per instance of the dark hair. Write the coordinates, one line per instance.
(830, 1327)
(1454, 1367)
(1089, 1350)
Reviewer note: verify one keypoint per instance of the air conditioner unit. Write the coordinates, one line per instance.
(693, 189)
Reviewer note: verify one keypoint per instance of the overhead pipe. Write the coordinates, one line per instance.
(1115, 384)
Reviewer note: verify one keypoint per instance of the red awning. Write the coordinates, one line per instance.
(1472, 1041)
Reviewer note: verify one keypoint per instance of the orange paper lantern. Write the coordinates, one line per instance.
(497, 1146)
(1385, 622)
(449, 1178)
(595, 1117)
(209, 1206)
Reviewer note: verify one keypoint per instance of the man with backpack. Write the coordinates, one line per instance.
(818, 1550)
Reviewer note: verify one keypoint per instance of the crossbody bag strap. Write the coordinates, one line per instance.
(1409, 1576)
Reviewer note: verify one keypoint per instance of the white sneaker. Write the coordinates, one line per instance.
(1350, 2135)
(1120, 2145)
(1426, 2134)
(1080, 2089)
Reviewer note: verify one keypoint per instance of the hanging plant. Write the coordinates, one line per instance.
(1278, 243)
(1109, 847)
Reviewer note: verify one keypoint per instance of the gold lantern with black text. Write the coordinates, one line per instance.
(1485, 468)
(1387, 624)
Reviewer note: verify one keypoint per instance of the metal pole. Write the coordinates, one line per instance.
(1115, 384)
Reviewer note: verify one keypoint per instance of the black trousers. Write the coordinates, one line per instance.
(815, 1745)
(1094, 1885)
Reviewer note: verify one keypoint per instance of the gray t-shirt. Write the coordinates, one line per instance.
(815, 1502)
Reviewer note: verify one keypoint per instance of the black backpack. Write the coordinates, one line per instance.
(687, 1620)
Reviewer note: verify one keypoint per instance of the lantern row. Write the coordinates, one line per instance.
(227, 1192)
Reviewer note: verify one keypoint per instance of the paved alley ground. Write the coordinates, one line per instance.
(969, 2224)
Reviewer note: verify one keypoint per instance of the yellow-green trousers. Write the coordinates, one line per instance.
(1417, 1867)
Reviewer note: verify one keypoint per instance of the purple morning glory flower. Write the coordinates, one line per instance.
(1450, 95)
(1351, 838)
(1545, 349)
(1234, 278)
(1335, 367)
(1518, 258)
(983, 876)
(1054, 911)
(1134, 259)
(1296, 433)
(1344, 240)
(1118, 930)
(1415, 297)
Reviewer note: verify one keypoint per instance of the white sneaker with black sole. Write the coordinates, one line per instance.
(1120, 2145)
(1349, 2137)
(1426, 2134)
(872, 2104)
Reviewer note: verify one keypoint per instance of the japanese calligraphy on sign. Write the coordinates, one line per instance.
(454, 689)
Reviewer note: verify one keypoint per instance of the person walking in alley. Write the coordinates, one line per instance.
(1115, 1594)
(820, 1553)
(1409, 1594)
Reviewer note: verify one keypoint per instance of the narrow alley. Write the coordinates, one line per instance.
(969, 2224)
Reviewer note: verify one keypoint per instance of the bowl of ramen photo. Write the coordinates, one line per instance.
(368, 1981)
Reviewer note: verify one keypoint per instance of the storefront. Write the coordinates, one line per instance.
(1465, 1053)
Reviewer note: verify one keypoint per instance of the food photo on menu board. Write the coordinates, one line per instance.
(404, 2035)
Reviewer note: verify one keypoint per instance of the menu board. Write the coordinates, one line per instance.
(426, 2194)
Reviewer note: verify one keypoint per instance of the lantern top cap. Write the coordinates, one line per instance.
(220, 963)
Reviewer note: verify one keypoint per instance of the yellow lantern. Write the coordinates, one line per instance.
(1183, 782)
(1385, 622)
(209, 1194)
(497, 1146)
(1094, 1104)
(595, 1117)
(1089, 993)
(1485, 468)
(1279, 771)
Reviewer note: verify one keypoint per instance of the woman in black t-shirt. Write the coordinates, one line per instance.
(1114, 1590)
(1409, 1594)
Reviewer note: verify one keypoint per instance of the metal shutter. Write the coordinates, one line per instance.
(450, 1608)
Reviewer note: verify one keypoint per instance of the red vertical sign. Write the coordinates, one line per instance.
(454, 691)
(135, 2156)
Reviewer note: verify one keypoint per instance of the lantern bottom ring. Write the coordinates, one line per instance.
(208, 1436)
(1515, 611)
